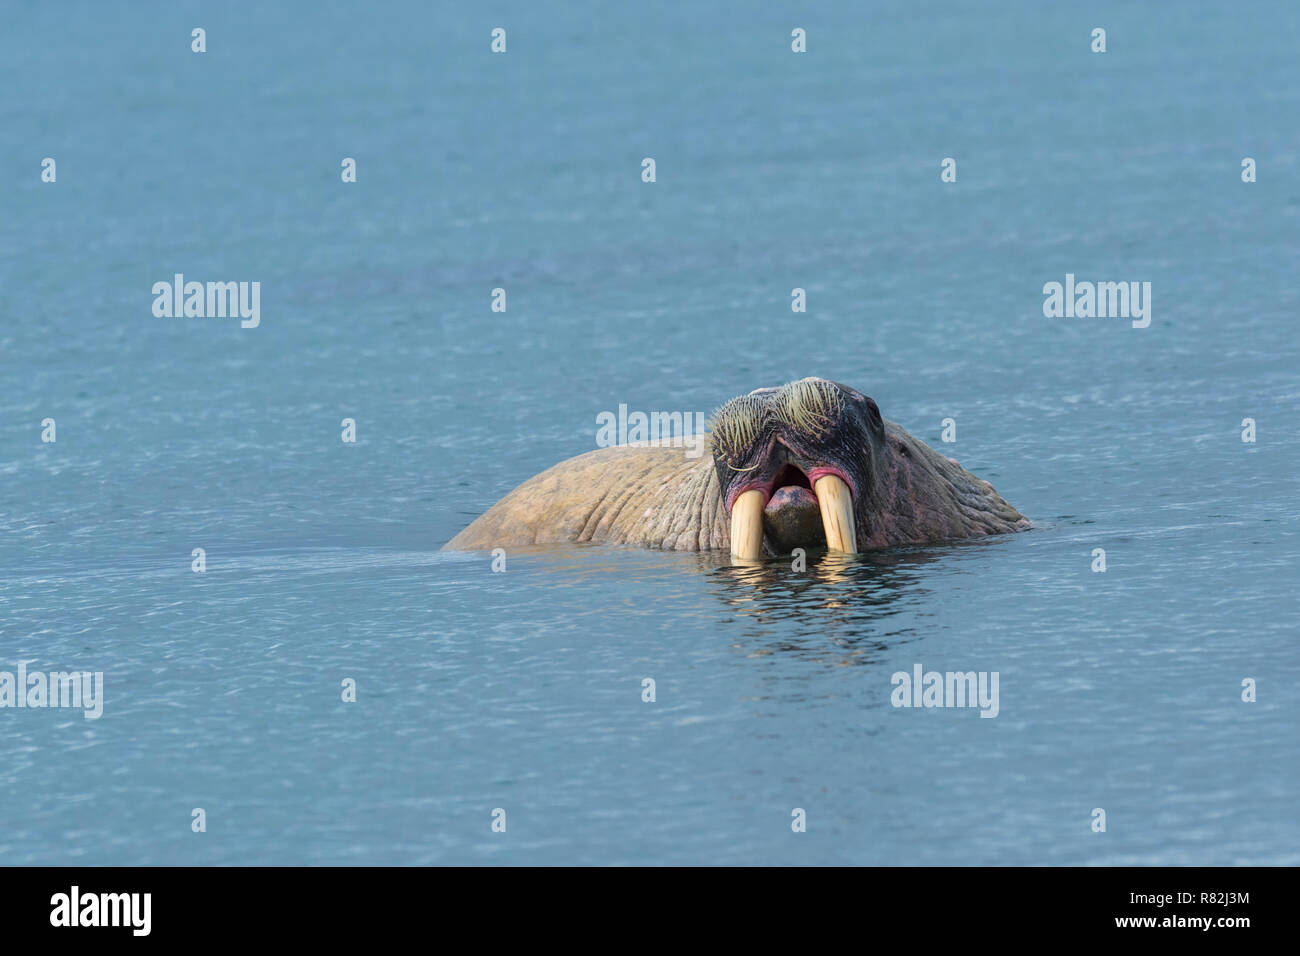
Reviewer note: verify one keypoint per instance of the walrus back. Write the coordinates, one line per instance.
(648, 495)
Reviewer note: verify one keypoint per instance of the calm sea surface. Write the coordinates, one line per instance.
(523, 690)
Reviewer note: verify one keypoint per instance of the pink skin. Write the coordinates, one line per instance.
(769, 487)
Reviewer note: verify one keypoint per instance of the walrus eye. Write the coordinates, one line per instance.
(734, 429)
(811, 405)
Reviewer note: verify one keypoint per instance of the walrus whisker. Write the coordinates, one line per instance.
(811, 406)
(736, 425)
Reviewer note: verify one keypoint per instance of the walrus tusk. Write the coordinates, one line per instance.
(747, 526)
(836, 504)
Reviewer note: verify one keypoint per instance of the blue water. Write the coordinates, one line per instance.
(522, 690)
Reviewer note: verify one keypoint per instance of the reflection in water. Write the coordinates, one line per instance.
(842, 609)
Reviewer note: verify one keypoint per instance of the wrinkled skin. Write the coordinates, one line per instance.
(778, 441)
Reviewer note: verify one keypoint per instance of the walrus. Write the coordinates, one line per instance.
(810, 464)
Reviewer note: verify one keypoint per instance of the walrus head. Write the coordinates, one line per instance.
(797, 464)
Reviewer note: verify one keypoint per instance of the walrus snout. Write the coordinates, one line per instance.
(793, 519)
(791, 505)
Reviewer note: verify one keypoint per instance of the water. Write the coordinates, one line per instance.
(522, 690)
